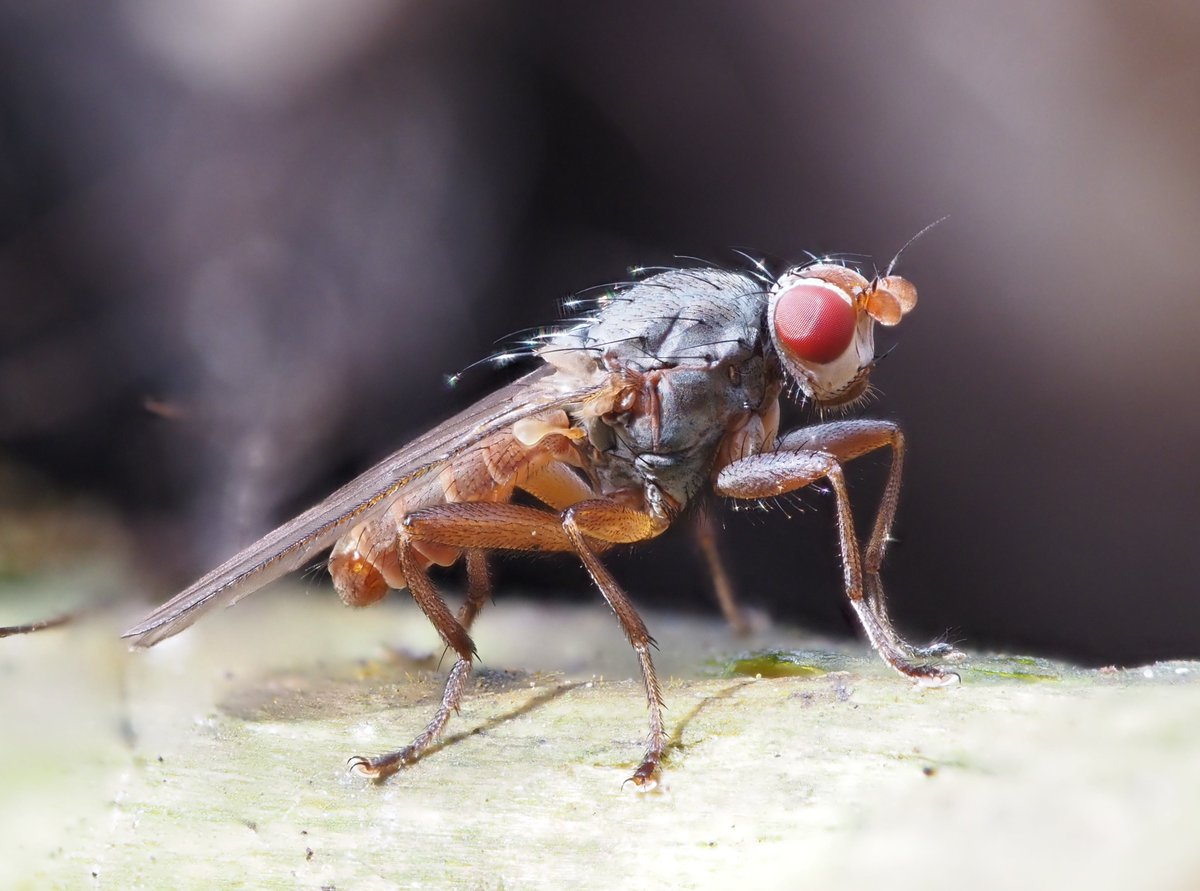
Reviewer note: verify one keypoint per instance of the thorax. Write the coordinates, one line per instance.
(682, 353)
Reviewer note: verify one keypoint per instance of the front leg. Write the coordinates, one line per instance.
(810, 454)
(847, 440)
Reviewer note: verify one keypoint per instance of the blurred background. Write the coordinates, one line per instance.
(242, 243)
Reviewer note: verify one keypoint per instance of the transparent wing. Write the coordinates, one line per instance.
(295, 542)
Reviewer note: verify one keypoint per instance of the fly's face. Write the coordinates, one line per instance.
(822, 319)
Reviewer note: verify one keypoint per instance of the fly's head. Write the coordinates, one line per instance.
(822, 319)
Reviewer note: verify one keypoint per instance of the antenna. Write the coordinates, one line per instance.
(892, 265)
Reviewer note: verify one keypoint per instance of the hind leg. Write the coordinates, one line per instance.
(456, 638)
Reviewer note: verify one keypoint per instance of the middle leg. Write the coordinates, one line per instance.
(736, 615)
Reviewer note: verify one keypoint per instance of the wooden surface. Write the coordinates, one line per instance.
(217, 760)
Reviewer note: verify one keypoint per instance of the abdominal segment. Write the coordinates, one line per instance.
(537, 457)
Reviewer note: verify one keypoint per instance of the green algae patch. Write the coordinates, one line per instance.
(783, 664)
(1029, 669)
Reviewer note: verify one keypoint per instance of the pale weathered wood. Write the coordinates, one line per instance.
(218, 760)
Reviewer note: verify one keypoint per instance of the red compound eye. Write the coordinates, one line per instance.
(814, 322)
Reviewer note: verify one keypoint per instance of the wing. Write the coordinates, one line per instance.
(294, 543)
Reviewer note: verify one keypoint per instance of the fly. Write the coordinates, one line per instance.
(672, 383)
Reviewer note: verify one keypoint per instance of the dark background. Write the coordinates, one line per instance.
(242, 243)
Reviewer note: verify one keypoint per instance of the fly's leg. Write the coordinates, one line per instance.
(456, 638)
(818, 452)
(873, 435)
(583, 529)
(479, 587)
(616, 523)
(846, 440)
(739, 619)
